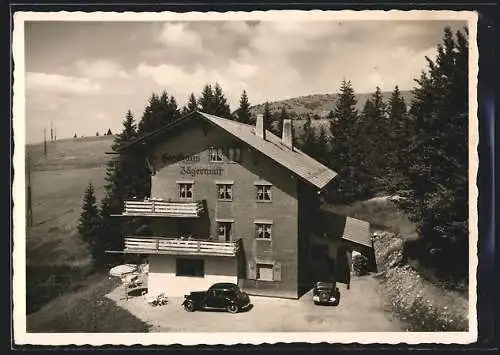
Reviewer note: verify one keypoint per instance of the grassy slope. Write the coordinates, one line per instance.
(63, 295)
(86, 310)
(57, 260)
(58, 184)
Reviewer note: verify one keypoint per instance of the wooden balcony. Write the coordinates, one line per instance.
(161, 208)
(149, 245)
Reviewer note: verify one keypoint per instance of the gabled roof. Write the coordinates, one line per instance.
(294, 160)
(357, 231)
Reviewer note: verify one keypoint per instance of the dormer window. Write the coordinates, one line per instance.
(216, 155)
(234, 154)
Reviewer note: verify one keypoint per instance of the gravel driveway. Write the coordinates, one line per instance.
(361, 308)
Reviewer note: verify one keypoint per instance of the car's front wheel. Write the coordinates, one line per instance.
(189, 306)
(232, 308)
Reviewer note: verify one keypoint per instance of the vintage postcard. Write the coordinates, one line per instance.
(245, 177)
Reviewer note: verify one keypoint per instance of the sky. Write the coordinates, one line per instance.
(84, 76)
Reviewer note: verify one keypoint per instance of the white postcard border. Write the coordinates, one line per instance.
(19, 228)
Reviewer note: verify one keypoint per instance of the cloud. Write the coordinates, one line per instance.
(242, 70)
(179, 36)
(101, 69)
(272, 60)
(60, 83)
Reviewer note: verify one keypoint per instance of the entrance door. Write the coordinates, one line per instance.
(224, 231)
(343, 269)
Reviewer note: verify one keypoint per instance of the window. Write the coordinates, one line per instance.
(234, 154)
(190, 267)
(264, 193)
(185, 190)
(224, 231)
(263, 230)
(216, 155)
(225, 192)
(265, 272)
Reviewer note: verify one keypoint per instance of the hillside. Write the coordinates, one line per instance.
(320, 104)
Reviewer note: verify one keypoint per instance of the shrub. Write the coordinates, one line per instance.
(360, 265)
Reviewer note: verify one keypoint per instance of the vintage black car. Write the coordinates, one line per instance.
(225, 296)
(326, 292)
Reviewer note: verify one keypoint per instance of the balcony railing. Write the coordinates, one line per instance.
(148, 245)
(160, 208)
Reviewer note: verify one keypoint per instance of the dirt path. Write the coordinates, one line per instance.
(362, 308)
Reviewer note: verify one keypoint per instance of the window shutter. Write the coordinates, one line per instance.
(252, 270)
(277, 271)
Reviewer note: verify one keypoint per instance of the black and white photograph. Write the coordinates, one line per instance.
(228, 178)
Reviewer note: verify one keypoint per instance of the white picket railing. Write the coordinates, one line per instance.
(162, 208)
(179, 246)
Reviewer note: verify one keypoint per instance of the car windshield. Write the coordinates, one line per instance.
(325, 284)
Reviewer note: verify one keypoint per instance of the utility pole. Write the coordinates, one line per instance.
(29, 215)
(45, 141)
(55, 136)
(51, 132)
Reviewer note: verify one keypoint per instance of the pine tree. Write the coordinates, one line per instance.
(399, 139)
(323, 147)
(345, 156)
(437, 173)
(206, 100)
(373, 128)
(221, 107)
(90, 220)
(160, 111)
(192, 105)
(126, 177)
(243, 112)
(308, 138)
(276, 124)
(109, 132)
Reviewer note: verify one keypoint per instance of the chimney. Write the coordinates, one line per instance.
(260, 127)
(287, 138)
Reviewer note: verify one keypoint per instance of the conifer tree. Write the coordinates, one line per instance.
(89, 226)
(221, 106)
(345, 150)
(206, 100)
(160, 111)
(192, 105)
(399, 139)
(373, 129)
(126, 178)
(308, 138)
(277, 118)
(436, 196)
(323, 147)
(243, 112)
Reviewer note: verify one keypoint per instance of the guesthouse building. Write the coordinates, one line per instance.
(229, 202)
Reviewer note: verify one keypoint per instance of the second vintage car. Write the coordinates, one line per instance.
(326, 292)
(226, 296)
